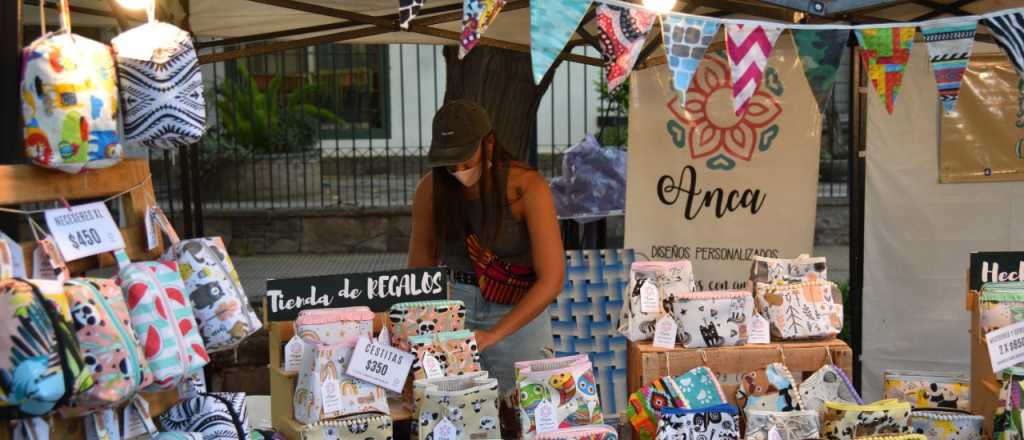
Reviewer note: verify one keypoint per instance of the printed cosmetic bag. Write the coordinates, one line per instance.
(929, 389)
(163, 321)
(894, 437)
(1008, 425)
(409, 319)
(217, 416)
(845, 421)
(806, 310)
(162, 87)
(791, 425)
(322, 381)
(590, 432)
(567, 383)
(788, 270)
(335, 326)
(713, 319)
(828, 384)
(176, 436)
(771, 388)
(109, 346)
(455, 352)
(358, 427)
(468, 402)
(946, 425)
(720, 422)
(697, 388)
(667, 278)
(215, 292)
(69, 103)
(1002, 304)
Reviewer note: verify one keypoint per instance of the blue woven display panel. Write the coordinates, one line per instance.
(585, 318)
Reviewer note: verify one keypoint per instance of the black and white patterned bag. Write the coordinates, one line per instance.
(218, 416)
(161, 86)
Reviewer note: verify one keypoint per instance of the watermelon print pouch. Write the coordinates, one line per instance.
(335, 326)
(456, 352)
(697, 388)
(409, 319)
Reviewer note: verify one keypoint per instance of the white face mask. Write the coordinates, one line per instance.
(468, 177)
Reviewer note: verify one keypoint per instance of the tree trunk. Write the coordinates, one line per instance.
(502, 81)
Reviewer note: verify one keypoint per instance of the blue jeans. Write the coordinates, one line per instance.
(532, 341)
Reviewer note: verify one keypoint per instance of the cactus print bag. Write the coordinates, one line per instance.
(713, 319)
(409, 319)
(456, 352)
(696, 388)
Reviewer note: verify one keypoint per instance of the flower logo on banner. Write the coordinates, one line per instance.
(708, 126)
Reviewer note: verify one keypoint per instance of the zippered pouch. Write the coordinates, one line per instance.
(1002, 304)
(377, 426)
(771, 388)
(828, 384)
(566, 383)
(844, 421)
(805, 310)
(788, 270)
(895, 437)
(791, 425)
(929, 389)
(590, 432)
(322, 380)
(176, 435)
(696, 388)
(721, 422)
(217, 416)
(468, 402)
(668, 278)
(713, 319)
(947, 425)
(455, 352)
(1009, 411)
(409, 319)
(335, 326)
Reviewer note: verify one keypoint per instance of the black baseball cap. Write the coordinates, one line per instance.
(459, 126)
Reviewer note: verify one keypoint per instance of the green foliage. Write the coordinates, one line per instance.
(614, 107)
(844, 287)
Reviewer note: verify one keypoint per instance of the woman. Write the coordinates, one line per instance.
(475, 203)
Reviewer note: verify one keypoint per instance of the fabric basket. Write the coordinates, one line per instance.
(668, 278)
(697, 388)
(788, 270)
(455, 352)
(409, 319)
(590, 432)
(712, 319)
(468, 402)
(334, 326)
(567, 383)
(771, 388)
(946, 425)
(357, 427)
(805, 310)
(929, 389)
(324, 366)
(846, 422)
(720, 422)
(217, 416)
(828, 384)
(791, 425)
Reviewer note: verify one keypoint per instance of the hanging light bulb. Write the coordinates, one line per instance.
(134, 4)
(660, 6)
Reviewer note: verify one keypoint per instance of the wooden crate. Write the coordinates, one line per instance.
(31, 184)
(984, 384)
(647, 363)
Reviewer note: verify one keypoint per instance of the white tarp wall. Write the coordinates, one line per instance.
(918, 237)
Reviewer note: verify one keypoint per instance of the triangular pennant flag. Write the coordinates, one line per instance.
(949, 48)
(820, 52)
(621, 34)
(1008, 29)
(408, 10)
(748, 47)
(552, 22)
(885, 52)
(477, 15)
(686, 39)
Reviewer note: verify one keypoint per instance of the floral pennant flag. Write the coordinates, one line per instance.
(1008, 28)
(621, 33)
(820, 52)
(552, 22)
(686, 39)
(885, 52)
(408, 10)
(477, 15)
(949, 48)
(748, 47)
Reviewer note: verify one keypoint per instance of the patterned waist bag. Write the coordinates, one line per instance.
(499, 281)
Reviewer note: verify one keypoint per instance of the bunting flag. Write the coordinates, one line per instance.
(686, 39)
(1008, 28)
(820, 52)
(885, 52)
(622, 33)
(408, 10)
(748, 47)
(552, 22)
(949, 48)
(477, 15)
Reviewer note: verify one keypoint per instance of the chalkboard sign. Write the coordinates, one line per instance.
(995, 267)
(376, 290)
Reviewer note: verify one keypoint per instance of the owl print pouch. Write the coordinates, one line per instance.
(771, 388)
(721, 422)
(469, 402)
(844, 421)
(663, 279)
(697, 388)
(713, 319)
(455, 353)
(566, 383)
(409, 319)
(828, 384)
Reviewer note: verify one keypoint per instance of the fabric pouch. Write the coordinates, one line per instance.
(697, 388)
(791, 425)
(720, 422)
(323, 390)
(590, 432)
(409, 319)
(713, 319)
(356, 427)
(771, 388)
(946, 425)
(566, 383)
(665, 279)
(217, 416)
(176, 436)
(1002, 304)
(806, 310)
(828, 384)
(335, 326)
(894, 437)
(929, 389)
(788, 270)
(844, 421)
(468, 402)
(1008, 425)
(455, 352)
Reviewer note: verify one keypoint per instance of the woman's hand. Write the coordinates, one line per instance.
(485, 339)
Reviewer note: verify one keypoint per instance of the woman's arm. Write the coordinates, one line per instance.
(548, 261)
(422, 243)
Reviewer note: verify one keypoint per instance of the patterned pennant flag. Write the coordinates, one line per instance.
(477, 15)
(1008, 28)
(821, 51)
(686, 39)
(949, 48)
(552, 22)
(748, 47)
(621, 34)
(408, 10)
(885, 52)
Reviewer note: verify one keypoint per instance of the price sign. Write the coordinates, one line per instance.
(380, 364)
(1006, 346)
(84, 230)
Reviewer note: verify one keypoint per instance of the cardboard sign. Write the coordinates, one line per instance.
(380, 364)
(995, 267)
(377, 290)
(1006, 346)
(84, 230)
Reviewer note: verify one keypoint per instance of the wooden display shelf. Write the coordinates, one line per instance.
(984, 384)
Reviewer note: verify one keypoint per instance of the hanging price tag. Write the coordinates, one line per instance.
(774, 434)
(384, 337)
(649, 298)
(330, 394)
(42, 269)
(380, 364)
(545, 417)
(102, 426)
(293, 355)
(432, 367)
(17, 257)
(192, 386)
(84, 230)
(445, 430)
(665, 332)
(35, 428)
(1006, 346)
(136, 420)
(152, 235)
(760, 331)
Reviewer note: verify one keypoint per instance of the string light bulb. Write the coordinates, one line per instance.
(134, 4)
(660, 6)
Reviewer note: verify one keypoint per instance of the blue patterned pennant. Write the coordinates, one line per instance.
(552, 23)
(686, 39)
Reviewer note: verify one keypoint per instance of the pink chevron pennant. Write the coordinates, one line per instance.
(748, 47)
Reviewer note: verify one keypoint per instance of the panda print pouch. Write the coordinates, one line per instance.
(713, 319)
(469, 402)
(845, 421)
(409, 319)
(454, 352)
